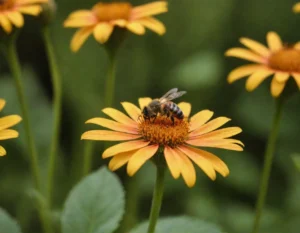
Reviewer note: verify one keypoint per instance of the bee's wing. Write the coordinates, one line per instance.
(170, 92)
(175, 95)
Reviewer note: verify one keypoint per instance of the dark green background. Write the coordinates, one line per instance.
(189, 56)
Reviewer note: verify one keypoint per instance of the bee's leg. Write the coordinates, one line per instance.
(172, 118)
(154, 118)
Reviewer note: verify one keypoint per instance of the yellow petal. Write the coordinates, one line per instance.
(80, 37)
(16, 18)
(79, 22)
(215, 161)
(153, 24)
(107, 135)
(112, 125)
(243, 71)
(8, 121)
(296, 7)
(2, 151)
(2, 104)
(81, 14)
(149, 9)
(172, 162)
(185, 108)
(30, 10)
(274, 41)
(119, 160)
(119, 22)
(255, 46)
(133, 111)
(210, 126)
(136, 28)
(276, 87)
(204, 164)
(244, 54)
(229, 144)
(102, 32)
(24, 2)
(295, 75)
(221, 133)
(8, 133)
(144, 102)
(257, 78)
(200, 119)
(5, 23)
(124, 147)
(187, 169)
(281, 76)
(120, 117)
(139, 158)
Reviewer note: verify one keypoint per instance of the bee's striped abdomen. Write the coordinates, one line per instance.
(176, 111)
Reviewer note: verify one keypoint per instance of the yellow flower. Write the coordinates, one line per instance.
(178, 141)
(103, 17)
(279, 60)
(5, 123)
(11, 12)
(296, 7)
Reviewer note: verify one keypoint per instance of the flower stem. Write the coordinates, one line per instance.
(157, 197)
(14, 65)
(57, 103)
(108, 101)
(269, 155)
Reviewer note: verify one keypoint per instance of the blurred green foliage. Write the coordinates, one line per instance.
(191, 57)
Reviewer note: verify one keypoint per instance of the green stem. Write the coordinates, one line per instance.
(14, 65)
(269, 155)
(108, 101)
(157, 197)
(57, 104)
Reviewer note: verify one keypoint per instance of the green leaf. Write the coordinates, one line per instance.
(7, 224)
(95, 205)
(179, 225)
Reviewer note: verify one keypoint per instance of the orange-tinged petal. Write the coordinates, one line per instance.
(204, 164)
(2, 104)
(124, 147)
(200, 119)
(295, 75)
(107, 135)
(133, 111)
(242, 72)
(143, 102)
(187, 169)
(257, 78)
(255, 46)
(296, 7)
(2, 151)
(16, 18)
(30, 10)
(112, 125)
(172, 162)
(221, 133)
(136, 28)
(6, 25)
(185, 108)
(210, 126)
(102, 32)
(139, 158)
(281, 76)
(228, 144)
(153, 24)
(274, 41)
(149, 9)
(120, 117)
(215, 161)
(276, 87)
(79, 22)
(8, 121)
(119, 160)
(297, 45)
(80, 37)
(244, 54)
(8, 133)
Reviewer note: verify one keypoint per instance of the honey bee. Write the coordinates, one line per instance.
(164, 106)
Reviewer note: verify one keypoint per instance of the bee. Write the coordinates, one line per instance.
(164, 106)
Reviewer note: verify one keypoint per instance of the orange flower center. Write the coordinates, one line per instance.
(6, 4)
(112, 11)
(287, 59)
(163, 132)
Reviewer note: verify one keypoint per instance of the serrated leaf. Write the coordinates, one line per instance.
(7, 224)
(179, 225)
(95, 205)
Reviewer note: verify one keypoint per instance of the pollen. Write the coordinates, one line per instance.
(112, 11)
(287, 59)
(162, 131)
